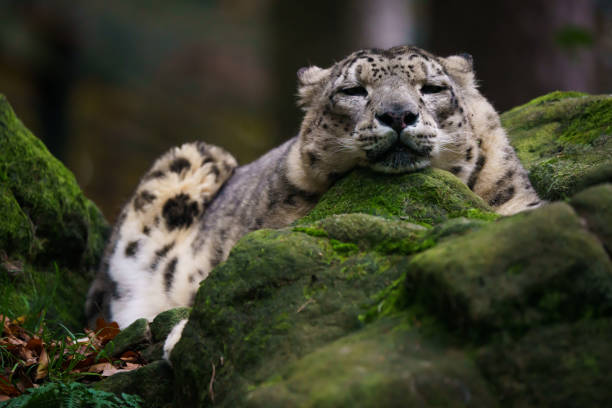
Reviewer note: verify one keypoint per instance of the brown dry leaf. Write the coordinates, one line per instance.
(43, 366)
(100, 367)
(130, 356)
(114, 370)
(106, 331)
(110, 371)
(4, 398)
(13, 341)
(7, 388)
(35, 344)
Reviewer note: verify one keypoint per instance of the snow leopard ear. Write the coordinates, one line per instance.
(310, 81)
(461, 68)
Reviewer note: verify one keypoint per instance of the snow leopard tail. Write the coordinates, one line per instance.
(171, 197)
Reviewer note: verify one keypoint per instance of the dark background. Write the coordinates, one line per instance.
(109, 85)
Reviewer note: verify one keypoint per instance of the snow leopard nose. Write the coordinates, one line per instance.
(398, 119)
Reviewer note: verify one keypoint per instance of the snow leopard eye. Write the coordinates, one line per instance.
(355, 91)
(431, 89)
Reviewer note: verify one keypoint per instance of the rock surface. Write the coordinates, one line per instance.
(564, 139)
(51, 236)
(408, 290)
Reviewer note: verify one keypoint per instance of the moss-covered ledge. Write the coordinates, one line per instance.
(391, 268)
(564, 139)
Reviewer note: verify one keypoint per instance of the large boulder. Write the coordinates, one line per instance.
(408, 291)
(51, 236)
(394, 291)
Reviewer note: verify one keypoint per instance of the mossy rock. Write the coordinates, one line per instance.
(595, 206)
(425, 197)
(283, 294)
(563, 365)
(153, 383)
(51, 236)
(524, 271)
(394, 291)
(47, 217)
(387, 364)
(165, 321)
(564, 139)
(136, 336)
(280, 295)
(382, 295)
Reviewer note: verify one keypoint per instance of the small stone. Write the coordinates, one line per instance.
(165, 321)
(134, 337)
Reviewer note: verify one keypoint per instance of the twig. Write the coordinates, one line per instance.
(211, 391)
(309, 301)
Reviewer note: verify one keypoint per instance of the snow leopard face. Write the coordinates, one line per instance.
(394, 111)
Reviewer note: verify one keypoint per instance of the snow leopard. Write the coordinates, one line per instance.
(394, 111)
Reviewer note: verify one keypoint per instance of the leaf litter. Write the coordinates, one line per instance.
(28, 361)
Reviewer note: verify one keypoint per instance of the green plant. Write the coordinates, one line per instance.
(73, 395)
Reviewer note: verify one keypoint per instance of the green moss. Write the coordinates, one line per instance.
(500, 276)
(595, 206)
(595, 121)
(520, 372)
(564, 140)
(153, 383)
(134, 337)
(44, 221)
(367, 231)
(67, 227)
(55, 295)
(165, 321)
(398, 369)
(425, 197)
(280, 294)
(312, 231)
(343, 247)
(554, 97)
(16, 232)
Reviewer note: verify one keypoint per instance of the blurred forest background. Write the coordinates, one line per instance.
(109, 85)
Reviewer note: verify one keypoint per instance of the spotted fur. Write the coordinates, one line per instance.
(394, 111)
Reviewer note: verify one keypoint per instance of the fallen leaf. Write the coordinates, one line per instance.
(35, 344)
(106, 331)
(43, 366)
(100, 367)
(7, 388)
(114, 370)
(130, 356)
